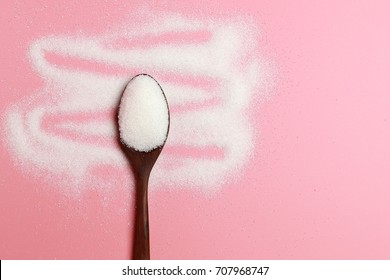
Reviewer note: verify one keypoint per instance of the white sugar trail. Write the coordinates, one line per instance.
(71, 90)
(94, 128)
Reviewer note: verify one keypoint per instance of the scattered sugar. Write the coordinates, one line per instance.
(143, 114)
(228, 57)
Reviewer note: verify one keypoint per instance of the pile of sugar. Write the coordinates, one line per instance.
(223, 66)
(143, 114)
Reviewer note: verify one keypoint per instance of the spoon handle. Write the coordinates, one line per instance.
(141, 249)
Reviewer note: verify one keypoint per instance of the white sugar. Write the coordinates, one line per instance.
(143, 114)
(46, 138)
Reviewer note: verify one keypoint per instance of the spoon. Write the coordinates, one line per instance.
(142, 101)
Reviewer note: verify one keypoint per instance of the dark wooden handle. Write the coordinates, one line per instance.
(141, 249)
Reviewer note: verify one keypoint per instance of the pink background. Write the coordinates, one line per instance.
(317, 186)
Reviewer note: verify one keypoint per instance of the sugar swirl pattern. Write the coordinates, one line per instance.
(209, 70)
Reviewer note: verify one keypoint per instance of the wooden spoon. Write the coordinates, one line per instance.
(142, 164)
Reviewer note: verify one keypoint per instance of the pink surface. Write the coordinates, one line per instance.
(316, 187)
